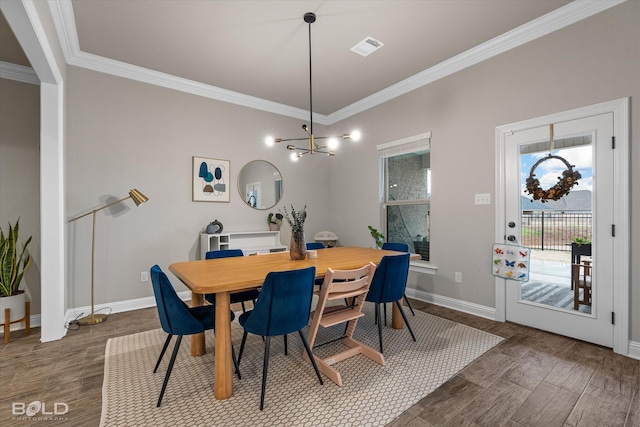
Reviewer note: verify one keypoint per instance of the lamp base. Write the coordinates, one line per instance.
(92, 319)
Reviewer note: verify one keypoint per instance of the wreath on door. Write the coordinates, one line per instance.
(565, 182)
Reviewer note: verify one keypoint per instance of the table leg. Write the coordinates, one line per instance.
(198, 347)
(223, 371)
(396, 317)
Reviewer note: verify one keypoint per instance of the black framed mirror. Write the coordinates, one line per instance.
(260, 184)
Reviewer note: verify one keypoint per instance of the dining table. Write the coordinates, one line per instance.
(227, 275)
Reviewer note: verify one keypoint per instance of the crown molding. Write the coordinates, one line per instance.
(64, 21)
(553, 21)
(19, 73)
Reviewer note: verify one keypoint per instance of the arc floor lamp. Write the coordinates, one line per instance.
(138, 198)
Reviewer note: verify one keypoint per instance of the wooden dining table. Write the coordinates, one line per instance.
(226, 275)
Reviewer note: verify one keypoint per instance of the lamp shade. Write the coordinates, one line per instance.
(138, 197)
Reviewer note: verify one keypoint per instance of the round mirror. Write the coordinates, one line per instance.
(260, 184)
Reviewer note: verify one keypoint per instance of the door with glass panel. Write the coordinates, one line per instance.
(570, 286)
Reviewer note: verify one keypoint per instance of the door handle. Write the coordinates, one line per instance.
(511, 238)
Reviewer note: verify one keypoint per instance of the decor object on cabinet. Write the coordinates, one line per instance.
(214, 227)
(298, 247)
(210, 178)
(138, 198)
(332, 141)
(327, 238)
(274, 221)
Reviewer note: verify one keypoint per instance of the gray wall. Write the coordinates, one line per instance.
(124, 134)
(20, 173)
(593, 61)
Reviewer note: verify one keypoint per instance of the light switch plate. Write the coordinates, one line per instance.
(483, 199)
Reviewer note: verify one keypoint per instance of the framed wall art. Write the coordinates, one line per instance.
(210, 180)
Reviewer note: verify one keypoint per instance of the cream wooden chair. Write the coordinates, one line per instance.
(581, 281)
(341, 286)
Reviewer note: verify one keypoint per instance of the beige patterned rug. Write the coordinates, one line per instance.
(372, 395)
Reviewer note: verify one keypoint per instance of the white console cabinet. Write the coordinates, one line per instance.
(251, 242)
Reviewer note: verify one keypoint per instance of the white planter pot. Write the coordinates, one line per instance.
(16, 304)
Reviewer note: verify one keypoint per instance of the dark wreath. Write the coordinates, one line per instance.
(568, 179)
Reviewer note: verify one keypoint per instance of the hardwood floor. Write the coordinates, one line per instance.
(533, 378)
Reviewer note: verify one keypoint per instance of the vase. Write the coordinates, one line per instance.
(274, 227)
(298, 248)
(15, 303)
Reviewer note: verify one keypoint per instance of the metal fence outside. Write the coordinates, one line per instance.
(554, 230)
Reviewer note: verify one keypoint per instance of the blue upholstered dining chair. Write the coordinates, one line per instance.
(178, 319)
(311, 246)
(388, 285)
(283, 307)
(400, 247)
(235, 297)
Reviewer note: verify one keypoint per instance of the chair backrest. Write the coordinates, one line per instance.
(174, 314)
(314, 246)
(390, 279)
(342, 284)
(391, 246)
(284, 303)
(224, 253)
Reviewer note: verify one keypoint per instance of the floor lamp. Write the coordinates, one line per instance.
(138, 199)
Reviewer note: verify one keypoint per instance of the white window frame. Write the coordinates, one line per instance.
(407, 145)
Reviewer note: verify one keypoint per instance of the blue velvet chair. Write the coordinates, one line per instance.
(400, 247)
(235, 297)
(282, 308)
(311, 246)
(178, 319)
(388, 285)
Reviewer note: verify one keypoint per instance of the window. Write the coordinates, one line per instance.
(406, 187)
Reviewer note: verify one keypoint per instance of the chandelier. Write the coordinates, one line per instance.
(329, 143)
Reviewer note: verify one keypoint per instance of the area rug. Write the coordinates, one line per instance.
(551, 294)
(372, 395)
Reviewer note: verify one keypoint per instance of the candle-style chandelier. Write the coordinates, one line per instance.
(314, 147)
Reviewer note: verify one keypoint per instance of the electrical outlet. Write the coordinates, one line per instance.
(458, 277)
(144, 276)
(483, 199)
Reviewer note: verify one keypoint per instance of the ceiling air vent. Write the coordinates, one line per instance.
(367, 46)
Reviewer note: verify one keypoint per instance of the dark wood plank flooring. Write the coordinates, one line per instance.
(533, 378)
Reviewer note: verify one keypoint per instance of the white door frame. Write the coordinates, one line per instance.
(621, 244)
(24, 20)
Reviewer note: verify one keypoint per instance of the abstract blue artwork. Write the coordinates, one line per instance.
(210, 180)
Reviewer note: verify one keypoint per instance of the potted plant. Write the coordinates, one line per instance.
(421, 245)
(377, 236)
(298, 247)
(274, 221)
(580, 247)
(12, 270)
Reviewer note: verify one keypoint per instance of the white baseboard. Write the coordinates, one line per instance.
(139, 303)
(33, 323)
(454, 304)
(486, 312)
(634, 350)
(118, 307)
